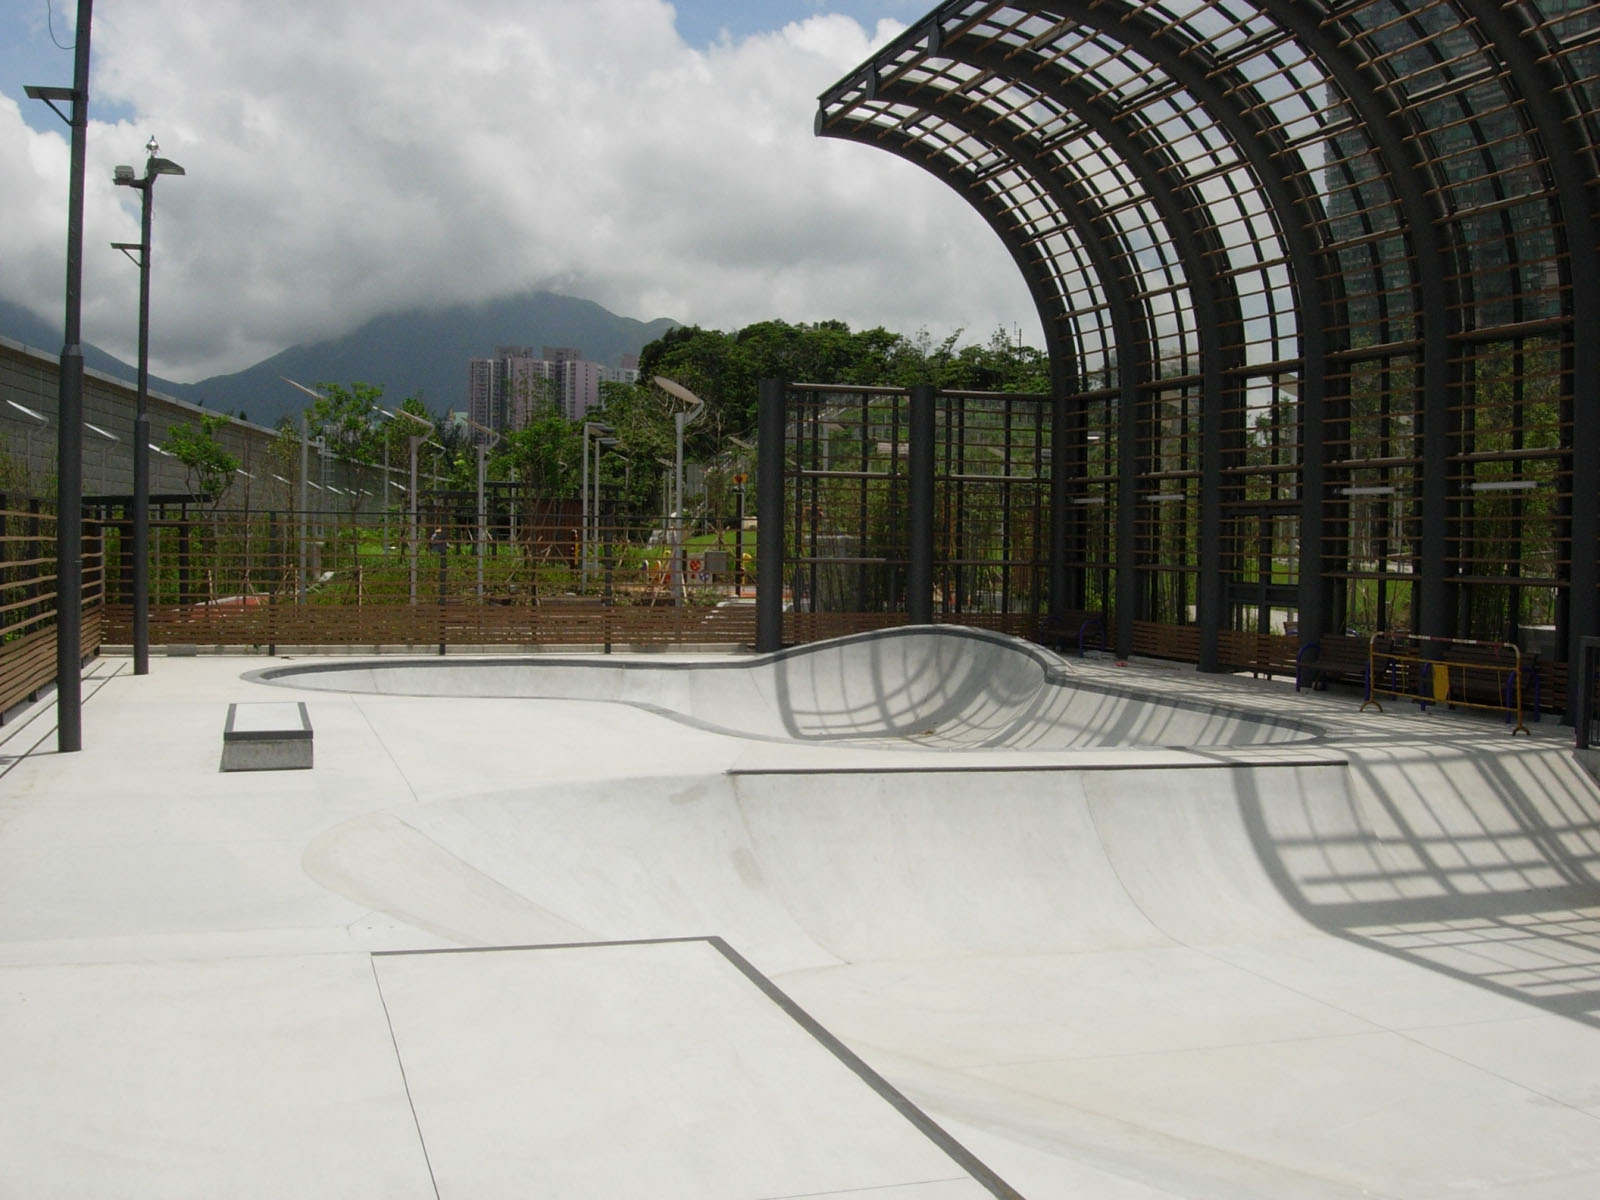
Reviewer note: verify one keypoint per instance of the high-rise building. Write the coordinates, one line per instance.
(504, 391)
(495, 386)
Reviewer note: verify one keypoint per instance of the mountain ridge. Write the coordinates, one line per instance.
(415, 351)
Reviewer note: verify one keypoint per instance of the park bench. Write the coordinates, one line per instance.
(1075, 631)
(1332, 658)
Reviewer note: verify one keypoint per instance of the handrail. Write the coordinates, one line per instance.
(1300, 657)
(1409, 674)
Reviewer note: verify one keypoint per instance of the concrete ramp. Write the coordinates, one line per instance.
(824, 868)
(1241, 980)
(923, 687)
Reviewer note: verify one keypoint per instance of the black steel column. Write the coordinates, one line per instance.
(69, 432)
(1405, 159)
(1237, 105)
(1066, 462)
(769, 516)
(1555, 117)
(141, 448)
(919, 575)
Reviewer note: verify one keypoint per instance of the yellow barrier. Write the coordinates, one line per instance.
(1459, 672)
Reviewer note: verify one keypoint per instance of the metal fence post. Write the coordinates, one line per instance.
(769, 516)
(919, 574)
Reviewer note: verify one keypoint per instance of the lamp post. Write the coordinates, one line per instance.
(305, 483)
(590, 520)
(416, 440)
(681, 421)
(124, 177)
(69, 411)
(483, 503)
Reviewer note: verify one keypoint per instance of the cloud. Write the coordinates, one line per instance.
(346, 160)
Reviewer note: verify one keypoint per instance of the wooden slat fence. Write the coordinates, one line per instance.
(28, 596)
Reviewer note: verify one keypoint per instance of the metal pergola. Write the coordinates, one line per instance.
(1320, 287)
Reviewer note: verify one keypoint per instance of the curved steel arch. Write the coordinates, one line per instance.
(1205, 264)
(1391, 69)
(1080, 209)
(1190, 64)
(1309, 22)
(1541, 86)
(1037, 276)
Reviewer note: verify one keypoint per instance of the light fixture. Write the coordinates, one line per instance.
(1504, 485)
(123, 176)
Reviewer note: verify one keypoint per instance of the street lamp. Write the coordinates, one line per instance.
(124, 177)
(416, 440)
(483, 504)
(69, 405)
(305, 482)
(590, 518)
(681, 421)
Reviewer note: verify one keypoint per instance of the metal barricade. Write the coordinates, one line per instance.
(1458, 672)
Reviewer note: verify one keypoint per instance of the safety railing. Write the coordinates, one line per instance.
(1456, 672)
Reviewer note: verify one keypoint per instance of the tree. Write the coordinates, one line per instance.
(725, 369)
(208, 467)
(345, 418)
(545, 453)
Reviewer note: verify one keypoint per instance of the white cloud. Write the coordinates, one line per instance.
(345, 160)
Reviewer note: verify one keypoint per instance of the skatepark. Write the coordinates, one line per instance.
(927, 913)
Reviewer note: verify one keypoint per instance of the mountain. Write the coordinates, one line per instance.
(20, 325)
(424, 352)
(421, 352)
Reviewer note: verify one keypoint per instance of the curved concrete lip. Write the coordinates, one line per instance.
(920, 687)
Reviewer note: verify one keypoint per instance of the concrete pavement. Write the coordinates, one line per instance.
(1070, 943)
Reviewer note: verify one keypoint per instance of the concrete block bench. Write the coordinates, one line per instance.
(271, 735)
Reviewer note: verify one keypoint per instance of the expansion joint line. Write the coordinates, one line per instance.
(400, 1062)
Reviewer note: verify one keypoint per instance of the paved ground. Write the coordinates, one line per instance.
(896, 919)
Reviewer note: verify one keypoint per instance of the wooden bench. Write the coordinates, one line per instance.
(1073, 632)
(1332, 658)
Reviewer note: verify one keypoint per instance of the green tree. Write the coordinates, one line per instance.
(641, 417)
(346, 419)
(725, 369)
(208, 467)
(546, 454)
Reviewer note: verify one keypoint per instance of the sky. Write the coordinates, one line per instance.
(349, 159)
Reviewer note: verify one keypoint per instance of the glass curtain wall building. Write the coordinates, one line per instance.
(1320, 284)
